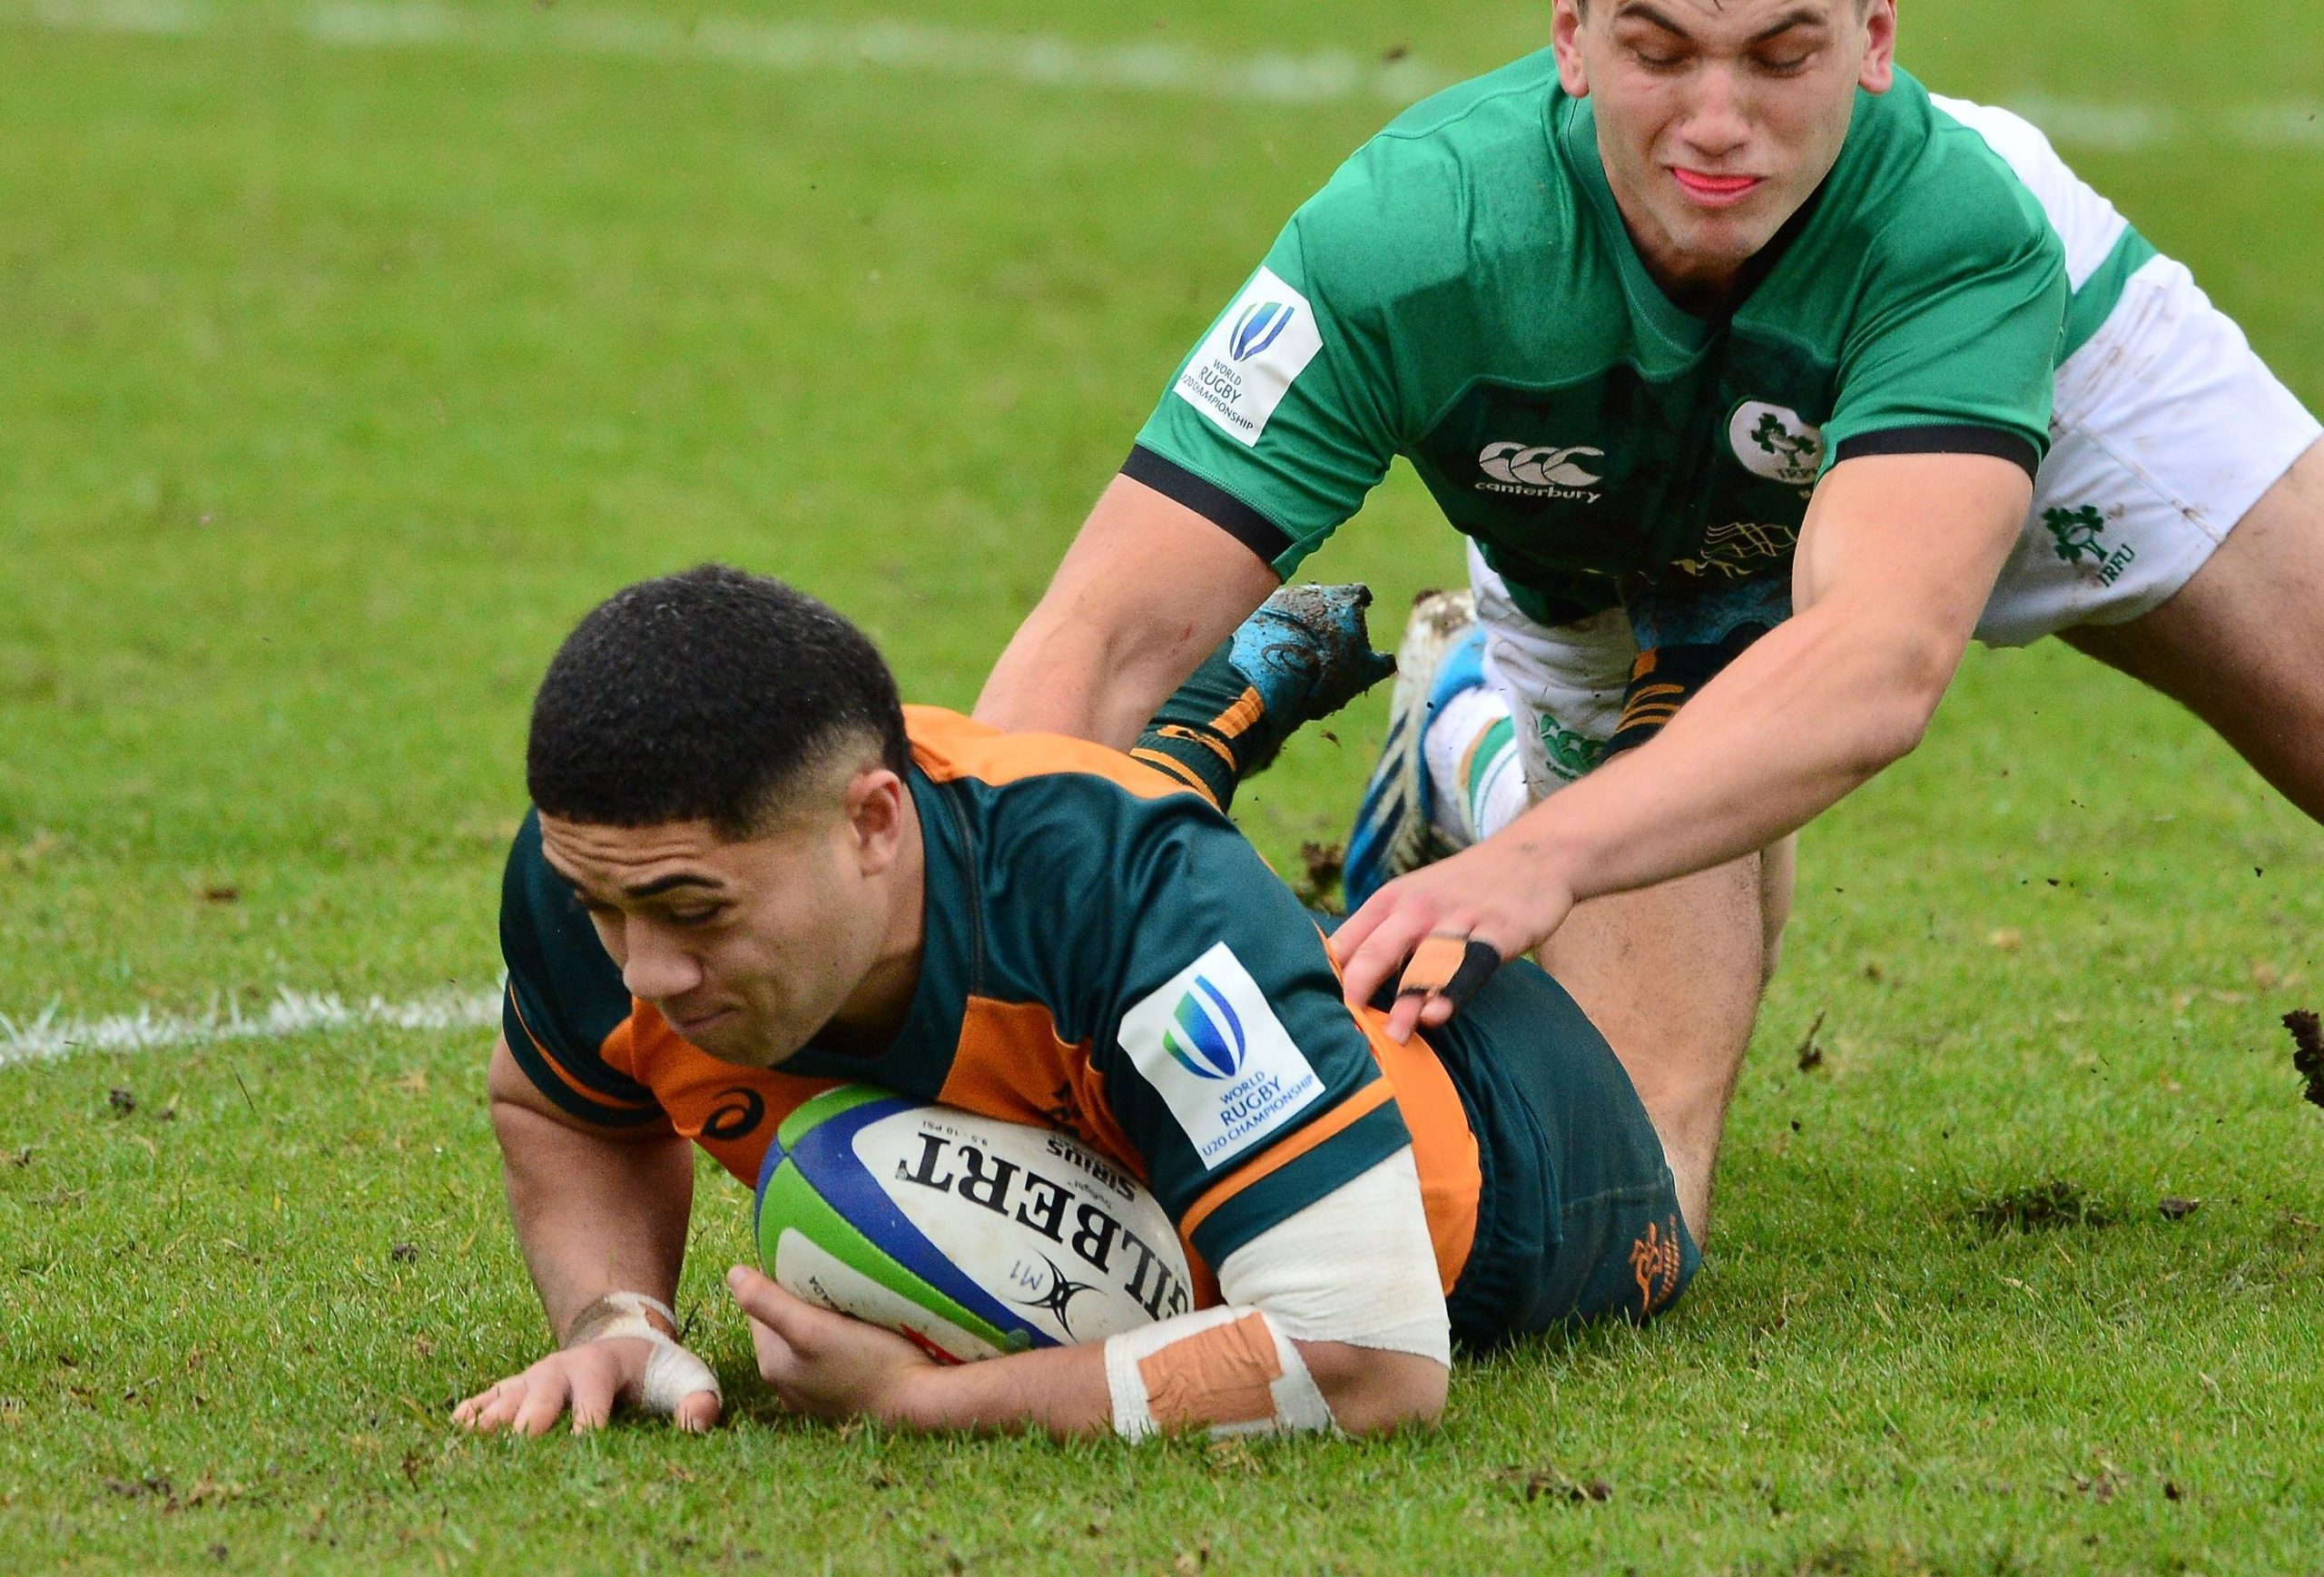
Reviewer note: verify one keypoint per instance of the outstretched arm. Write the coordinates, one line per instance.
(1145, 593)
(598, 1215)
(1896, 559)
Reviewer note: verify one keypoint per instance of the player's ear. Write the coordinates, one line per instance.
(1878, 74)
(877, 805)
(1565, 37)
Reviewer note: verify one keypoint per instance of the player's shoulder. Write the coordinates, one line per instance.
(954, 750)
(1048, 801)
(1462, 174)
(548, 944)
(1076, 857)
(1934, 195)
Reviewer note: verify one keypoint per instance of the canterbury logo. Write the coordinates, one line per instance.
(1539, 468)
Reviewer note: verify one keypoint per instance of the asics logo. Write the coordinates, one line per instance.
(1538, 470)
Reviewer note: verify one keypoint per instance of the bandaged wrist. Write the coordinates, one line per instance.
(1226, 1370)
(673, 1373)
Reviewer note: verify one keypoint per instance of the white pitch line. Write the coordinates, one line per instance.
(1033, 60)
(292, 1012)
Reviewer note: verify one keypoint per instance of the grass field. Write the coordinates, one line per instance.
(348, 352)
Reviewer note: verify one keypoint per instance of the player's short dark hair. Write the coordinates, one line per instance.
(706, 696)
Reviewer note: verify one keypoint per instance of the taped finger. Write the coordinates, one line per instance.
(1450, 965)
(672, 1375)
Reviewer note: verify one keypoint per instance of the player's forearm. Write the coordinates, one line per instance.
(1807, 715)
(1146, 590)
(1059, 1391)
(594, 1214)
(1071, 669)
(1062, 1392)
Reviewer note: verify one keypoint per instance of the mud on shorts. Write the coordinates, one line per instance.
(2166, 430)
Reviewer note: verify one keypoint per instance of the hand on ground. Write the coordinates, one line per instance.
(587, 1382)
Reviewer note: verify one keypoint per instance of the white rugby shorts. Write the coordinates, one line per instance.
(2167, 430)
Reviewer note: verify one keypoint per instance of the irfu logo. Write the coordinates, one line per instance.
(1570, 754)
(2079, 535)
(1775, 442)
(1796, 452)
(2077, 531)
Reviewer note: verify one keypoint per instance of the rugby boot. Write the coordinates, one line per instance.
(1441, 654)
(1305, 654)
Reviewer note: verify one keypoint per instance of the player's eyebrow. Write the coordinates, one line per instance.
(1804, 16)
(1654, 16)
(661, 884)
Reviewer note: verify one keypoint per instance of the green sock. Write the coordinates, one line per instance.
(1213, 733)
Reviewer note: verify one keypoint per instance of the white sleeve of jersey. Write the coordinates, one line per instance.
(1355, 1267)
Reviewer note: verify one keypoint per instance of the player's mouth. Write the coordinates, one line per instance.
(1716, 190)
(693, 1028)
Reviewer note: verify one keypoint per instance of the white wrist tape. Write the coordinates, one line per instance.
(1226, 1370)
(672, 1373)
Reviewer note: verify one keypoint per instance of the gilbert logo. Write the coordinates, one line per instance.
(1538, 471)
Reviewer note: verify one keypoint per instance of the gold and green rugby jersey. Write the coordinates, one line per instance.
(1104, 954)
(1464, 293)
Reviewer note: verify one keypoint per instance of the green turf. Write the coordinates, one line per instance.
(334, 383)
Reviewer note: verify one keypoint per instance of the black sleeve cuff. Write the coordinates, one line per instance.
(1963, 439)
(1212, 502)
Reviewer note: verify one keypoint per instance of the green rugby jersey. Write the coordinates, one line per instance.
(1464, 293)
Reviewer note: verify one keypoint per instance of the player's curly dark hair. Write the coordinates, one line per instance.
(704, 697)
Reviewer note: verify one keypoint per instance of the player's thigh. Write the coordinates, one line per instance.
(2237, 644)
(1671, 975)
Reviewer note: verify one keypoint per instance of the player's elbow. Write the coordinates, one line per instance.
(1914, 671)
(1370, 1392)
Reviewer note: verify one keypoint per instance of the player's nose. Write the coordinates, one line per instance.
(654, 966)
(1717, 121)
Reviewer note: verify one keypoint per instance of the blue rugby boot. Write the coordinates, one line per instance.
(1303, 655)
(1442, 654)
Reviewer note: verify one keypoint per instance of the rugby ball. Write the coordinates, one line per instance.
(972, 1236)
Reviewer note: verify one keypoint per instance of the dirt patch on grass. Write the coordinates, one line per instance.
(1318, 881)
(2308, 1053)
(2044, 1207)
